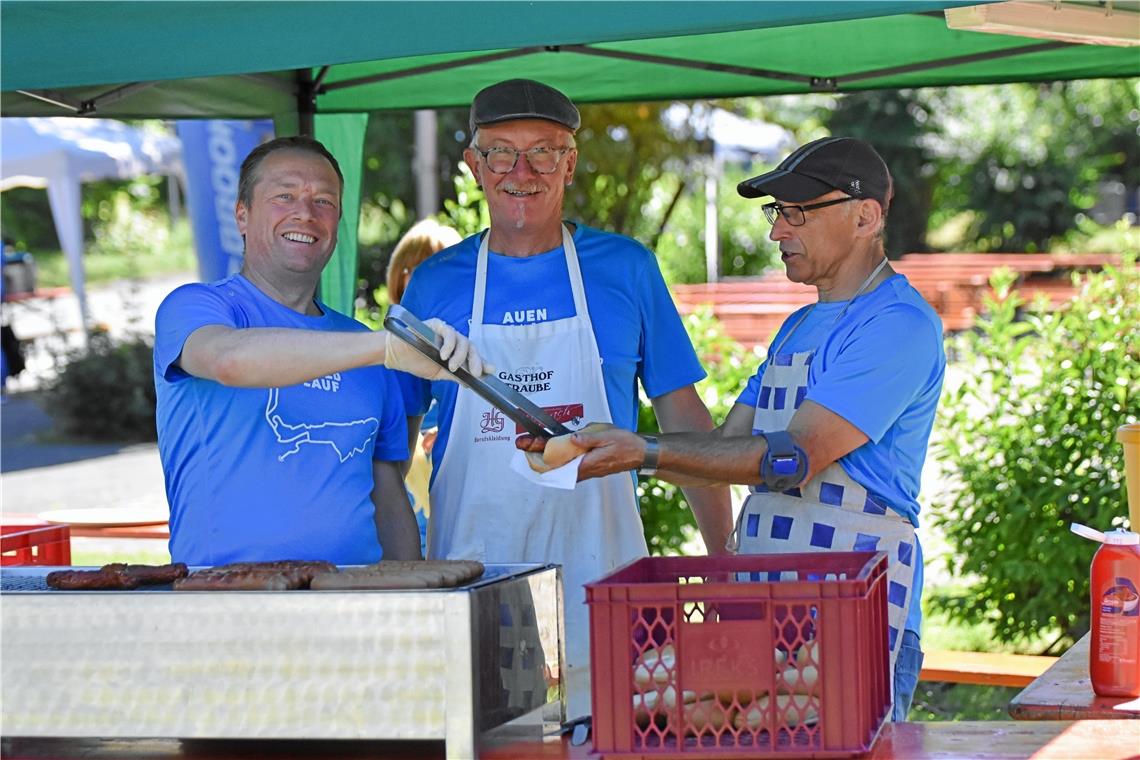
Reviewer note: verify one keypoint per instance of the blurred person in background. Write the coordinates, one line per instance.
(426, 238)
(19, 276)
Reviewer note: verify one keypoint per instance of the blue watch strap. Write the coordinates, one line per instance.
(785, 464)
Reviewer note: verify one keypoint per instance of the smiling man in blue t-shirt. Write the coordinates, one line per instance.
(573, 318)
(280, 433)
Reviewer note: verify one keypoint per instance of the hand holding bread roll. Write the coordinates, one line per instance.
(560, 450)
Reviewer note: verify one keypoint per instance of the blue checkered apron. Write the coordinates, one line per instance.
(830, 512)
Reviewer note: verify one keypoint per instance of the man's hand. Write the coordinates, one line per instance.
(528, 442)
(456, 350)
(608, 450)
(545, 454)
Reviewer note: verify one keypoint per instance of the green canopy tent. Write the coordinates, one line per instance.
(317, 66)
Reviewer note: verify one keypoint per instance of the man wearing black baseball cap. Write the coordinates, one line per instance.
(573, 318)
(831, 432)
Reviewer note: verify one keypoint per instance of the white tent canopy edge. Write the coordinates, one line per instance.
(60, 154)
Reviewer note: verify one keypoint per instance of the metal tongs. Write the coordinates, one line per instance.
(533, 418)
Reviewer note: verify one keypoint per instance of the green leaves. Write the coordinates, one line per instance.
(668, 521)
(105, 392)
(1027, 428)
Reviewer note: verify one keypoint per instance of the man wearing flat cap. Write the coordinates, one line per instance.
(571, 317)
(831, 432)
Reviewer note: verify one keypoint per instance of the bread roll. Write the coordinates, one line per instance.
(560, 450)
(800, 680)
(534, 459)
(655, 665)
(702, 714)
(792, 710)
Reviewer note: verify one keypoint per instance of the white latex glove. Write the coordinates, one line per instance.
(456, 350)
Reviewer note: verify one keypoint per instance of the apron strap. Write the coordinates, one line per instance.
(577, 289)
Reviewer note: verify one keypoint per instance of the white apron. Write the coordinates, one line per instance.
(830, 512)
(483, 510)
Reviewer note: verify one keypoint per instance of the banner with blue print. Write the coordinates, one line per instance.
(212, 152)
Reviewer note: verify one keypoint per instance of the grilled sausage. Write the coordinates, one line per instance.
(103, 579)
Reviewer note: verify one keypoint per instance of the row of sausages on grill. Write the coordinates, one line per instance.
(280, 575)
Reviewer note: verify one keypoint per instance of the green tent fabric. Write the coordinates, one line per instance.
(237, 59)
(110, 42)
(295, 60)
(343, 135)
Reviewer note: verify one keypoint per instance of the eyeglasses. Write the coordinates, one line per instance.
(541, 160)
(794, 215)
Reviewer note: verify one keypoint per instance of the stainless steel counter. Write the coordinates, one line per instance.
(467, 665)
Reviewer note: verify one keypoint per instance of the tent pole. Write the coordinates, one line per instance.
(426, 163)
(306, 102)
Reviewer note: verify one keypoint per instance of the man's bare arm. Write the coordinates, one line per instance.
(683, 410)
(823, 435)
(262, 357)
(395, 521)
(414, 424)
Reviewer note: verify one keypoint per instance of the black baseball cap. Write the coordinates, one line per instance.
(830, 163)
(522, 99)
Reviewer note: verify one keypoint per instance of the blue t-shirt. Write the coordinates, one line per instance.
(269, 473)
(636, 325)
(880, 368)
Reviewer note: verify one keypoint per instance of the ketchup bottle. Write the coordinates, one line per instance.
(1114, 650)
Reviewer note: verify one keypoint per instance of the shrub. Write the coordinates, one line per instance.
(105, 392)
(1030, 436)
(668, 521)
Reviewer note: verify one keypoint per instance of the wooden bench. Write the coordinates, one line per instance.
(955, 284)
(983, 668)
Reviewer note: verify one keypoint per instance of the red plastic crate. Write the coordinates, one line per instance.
(685, 653)
(35, 545)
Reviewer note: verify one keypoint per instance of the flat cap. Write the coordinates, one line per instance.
(522, 99)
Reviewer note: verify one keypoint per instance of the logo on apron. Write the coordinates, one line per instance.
(492, 421)
(569, 415)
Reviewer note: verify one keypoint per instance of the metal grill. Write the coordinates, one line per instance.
(34, 579)
(13, 582)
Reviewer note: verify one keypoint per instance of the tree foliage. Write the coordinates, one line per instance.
(667, 518)
(898, 123)
(1030, 435)
(1028, 171)
(105, 391)
(1018, 164)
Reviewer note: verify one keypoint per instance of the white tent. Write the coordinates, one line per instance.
(60, 154)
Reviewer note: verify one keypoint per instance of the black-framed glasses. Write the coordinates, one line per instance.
(541, 160)
(793, 214)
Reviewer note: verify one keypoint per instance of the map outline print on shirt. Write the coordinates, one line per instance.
(304, 432)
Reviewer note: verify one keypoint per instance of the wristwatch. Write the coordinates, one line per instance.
(652, 456)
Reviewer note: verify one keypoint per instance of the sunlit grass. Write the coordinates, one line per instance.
(176, 256)
(97, 553)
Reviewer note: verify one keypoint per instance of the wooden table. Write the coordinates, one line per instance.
(976, 740)
(155, 530)
(158, 530)
(1064, 692)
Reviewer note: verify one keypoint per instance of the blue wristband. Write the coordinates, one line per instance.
(784, 464)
